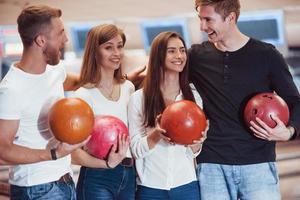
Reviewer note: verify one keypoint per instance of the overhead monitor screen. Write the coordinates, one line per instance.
(151, 28)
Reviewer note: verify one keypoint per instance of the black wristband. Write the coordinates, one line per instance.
(53, 154)
(107, 165)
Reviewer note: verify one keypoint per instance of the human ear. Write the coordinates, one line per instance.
(231, 17)
(40, 40)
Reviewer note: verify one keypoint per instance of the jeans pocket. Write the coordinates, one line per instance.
(42, 191)
(198, 169)
(273, 169)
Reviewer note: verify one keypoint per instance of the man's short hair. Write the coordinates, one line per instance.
(35, 19)
(223, 7)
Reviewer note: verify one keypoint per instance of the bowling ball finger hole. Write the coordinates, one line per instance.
(267, 96)
(254, 111)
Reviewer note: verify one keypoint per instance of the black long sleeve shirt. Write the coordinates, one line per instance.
(225, 81)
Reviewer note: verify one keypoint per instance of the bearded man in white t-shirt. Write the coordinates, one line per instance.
(40, 165)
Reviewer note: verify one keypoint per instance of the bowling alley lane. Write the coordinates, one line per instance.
(288, 162)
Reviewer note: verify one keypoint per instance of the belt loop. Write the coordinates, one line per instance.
(67, 178)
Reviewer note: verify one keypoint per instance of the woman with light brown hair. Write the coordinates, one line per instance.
(105, 90)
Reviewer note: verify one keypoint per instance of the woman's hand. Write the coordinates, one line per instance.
(118, 152)
(156, 134)
(197, 144)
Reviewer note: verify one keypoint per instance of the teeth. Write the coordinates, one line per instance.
(177, 63)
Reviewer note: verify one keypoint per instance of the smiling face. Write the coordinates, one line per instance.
(217, 27)
(176, 56)
(55, 42)
(110, 53)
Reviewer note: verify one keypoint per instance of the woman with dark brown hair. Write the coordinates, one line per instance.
(165, 170)
(105, 90)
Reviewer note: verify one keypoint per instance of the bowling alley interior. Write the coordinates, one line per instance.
(272, 21)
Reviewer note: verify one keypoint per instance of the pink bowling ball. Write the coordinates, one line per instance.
(105, 133)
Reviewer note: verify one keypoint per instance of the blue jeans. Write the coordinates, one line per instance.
(106, 184)
(188, 191)
(244, 182)
(48, 191)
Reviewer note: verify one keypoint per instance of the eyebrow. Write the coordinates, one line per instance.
(205, 17)
(175, 47)
(120, 42)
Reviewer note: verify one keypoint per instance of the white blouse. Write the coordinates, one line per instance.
(103, 106)
(165, 166)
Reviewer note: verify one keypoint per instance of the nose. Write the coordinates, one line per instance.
(65, 38)
(117, 51)
(203, 25)
(180, 54)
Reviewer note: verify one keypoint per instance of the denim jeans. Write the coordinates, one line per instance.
(48, 191)
(188, 191)
(106, 184)
(244, 182)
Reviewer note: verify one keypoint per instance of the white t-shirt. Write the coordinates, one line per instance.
(28, 98)
(103, 106)
(165, 166)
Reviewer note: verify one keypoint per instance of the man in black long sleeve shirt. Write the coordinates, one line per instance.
(227, 70)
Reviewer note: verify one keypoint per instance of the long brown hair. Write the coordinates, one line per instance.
(34, 20)
(153, 99)
(96, 36)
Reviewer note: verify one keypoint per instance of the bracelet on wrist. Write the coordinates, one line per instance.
(53, 154)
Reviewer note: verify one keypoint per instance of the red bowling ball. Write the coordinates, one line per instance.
(184, 122)
(105, 133)
(263, 105)
(71, 120)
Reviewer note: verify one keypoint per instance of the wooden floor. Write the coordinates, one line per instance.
(288, 162)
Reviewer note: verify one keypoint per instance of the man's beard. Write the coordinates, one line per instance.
(52, 56)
